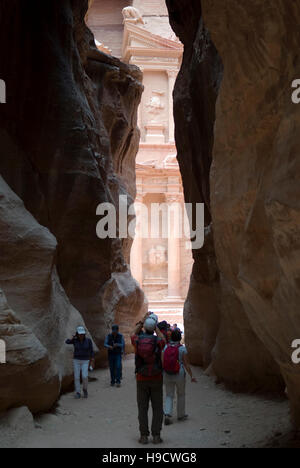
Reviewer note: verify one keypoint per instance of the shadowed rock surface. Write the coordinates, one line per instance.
(39, 364)
(68, 139)
(28, 366)
(195, 95)
(251, 190)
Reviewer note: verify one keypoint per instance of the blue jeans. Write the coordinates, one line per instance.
(115, 365)
(82, 366)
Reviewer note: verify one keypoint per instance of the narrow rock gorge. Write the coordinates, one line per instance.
(239, 154)
(69, 137)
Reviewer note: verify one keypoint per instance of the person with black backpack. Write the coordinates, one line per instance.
(175, 363)
(148, 348)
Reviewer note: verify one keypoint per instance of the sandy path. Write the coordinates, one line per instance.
(108, 418)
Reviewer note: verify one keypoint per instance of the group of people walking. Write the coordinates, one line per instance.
(160, 358)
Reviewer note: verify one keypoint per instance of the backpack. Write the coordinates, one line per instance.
(171, 359)
(148, 356)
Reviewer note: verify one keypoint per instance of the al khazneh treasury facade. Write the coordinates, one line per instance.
(138, 32)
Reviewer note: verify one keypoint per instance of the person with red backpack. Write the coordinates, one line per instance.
(175, 363)
(149, 378)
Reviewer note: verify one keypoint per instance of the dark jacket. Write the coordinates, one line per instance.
(110, 340)
(83, 351)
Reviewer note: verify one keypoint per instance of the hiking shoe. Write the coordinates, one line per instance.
(143, 440)
(168, 420)
(157, 439)
(77, 396)
(85, 393)
(112, 384)
(183, 418)
(118, 385)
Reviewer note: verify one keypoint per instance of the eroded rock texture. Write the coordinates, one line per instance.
(68, 139)
(254, 188)
(38, 361)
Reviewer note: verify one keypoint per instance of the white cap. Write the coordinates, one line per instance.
(80, 330)
(150, 324)
(153, 317)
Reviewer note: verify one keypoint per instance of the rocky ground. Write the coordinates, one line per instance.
(218, 418)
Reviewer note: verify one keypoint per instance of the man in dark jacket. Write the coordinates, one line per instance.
(83, 356)
(114, 343)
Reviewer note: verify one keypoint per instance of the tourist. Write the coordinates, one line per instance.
(114, 343)
(169, 332)
(175, 363)
(83, 358)
(149, 378)
(163, 326)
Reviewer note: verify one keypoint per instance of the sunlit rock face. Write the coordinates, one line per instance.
(253, 188)
(68, 142)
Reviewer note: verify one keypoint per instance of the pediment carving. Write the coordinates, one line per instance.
(136, 38)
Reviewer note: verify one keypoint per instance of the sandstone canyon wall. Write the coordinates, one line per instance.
(194, 109)
(246, 311)
(69, 139)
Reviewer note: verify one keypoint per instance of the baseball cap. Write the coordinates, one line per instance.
(81, 330)
(150, 324)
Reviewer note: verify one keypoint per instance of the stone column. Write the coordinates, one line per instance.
(174, 274)
(136, 254)
(140, 115)
(172, 74)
